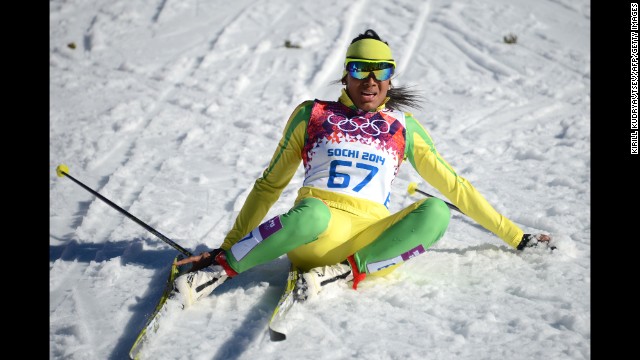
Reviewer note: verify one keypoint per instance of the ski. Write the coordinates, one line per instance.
(152, 324)
(277, 324)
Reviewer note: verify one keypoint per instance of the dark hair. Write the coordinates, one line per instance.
(369, 34)
(399, 96)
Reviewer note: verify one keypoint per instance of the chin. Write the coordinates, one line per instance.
(368, 107)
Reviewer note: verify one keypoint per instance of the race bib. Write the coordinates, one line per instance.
(351, 153)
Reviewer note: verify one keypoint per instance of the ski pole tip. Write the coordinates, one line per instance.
(62, 169)
(412, 188)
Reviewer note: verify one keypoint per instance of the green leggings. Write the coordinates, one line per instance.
(389, 241)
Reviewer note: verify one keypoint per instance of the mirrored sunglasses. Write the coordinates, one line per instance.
(361, 70)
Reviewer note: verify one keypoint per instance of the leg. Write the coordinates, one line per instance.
(408, 237)
(279, 235)
(270, 240)
(388, 243)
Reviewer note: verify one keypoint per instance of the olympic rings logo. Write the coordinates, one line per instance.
(373, 128)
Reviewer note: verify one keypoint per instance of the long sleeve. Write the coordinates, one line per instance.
(267, 189)
(424, 157)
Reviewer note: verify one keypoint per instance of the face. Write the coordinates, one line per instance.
(367, 94)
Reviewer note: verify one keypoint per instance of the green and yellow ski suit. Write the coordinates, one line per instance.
(350, 159)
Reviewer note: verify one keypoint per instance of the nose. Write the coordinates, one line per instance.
(371, 77)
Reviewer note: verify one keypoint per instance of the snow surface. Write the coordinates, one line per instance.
(171, 109)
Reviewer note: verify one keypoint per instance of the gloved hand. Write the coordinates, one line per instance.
(200, 261)
(532, 240)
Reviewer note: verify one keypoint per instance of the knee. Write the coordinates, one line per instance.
(310, 213)
(434, 212)
(434, 207)
(317, 212)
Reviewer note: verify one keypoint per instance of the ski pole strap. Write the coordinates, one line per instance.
(221, 259)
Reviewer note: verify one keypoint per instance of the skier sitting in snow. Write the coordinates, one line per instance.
(340, 227)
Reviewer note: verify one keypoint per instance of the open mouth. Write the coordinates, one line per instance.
(368, 95)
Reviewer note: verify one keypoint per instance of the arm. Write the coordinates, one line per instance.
(267, 189)
(424, 157)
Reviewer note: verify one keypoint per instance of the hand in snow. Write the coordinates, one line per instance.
(532, 240)
(200, 261)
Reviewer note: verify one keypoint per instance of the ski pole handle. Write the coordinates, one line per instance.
(63, 170)
(413, 188)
